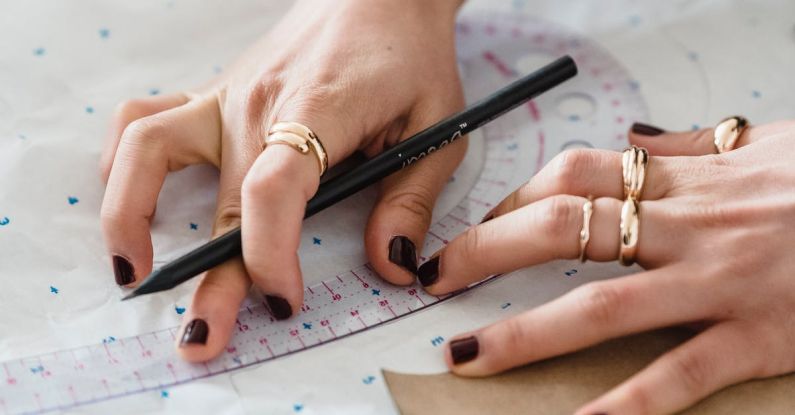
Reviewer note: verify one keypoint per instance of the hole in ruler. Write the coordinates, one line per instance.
(576, 106)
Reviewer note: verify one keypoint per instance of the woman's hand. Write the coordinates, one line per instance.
(363, 75)
(716, 238)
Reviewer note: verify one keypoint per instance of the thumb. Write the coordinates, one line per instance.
(402, 215)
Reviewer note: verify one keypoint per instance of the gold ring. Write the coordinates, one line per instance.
(629, 228)
(299, 137)
(727, 132)
(585, 232)
(634, 162)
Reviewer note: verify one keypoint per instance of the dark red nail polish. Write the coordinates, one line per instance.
(280, 308)
(487, 218)
(195, 333)
(464, 350)
(123, 269)
(646, 129)
(403, 253)
(428, 273)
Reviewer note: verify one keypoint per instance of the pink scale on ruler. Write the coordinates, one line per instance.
(493, 49)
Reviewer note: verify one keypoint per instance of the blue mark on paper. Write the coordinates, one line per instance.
(109, 339)
(368, 380)
(194, 226)
(695, 127)
(376, 291)
(179, 309)
(5, 221)
(72, 200)
(570, 272)
(436, 341)
(154, 91)
(89, 110)
(307, 326)
(513, 146)
(316, 240)
(298, 407)
(164, 394)
(104, 33)
(22, 136)
(37, 369)
(39, 51)
(574, 117)
(53, 290)
(693, 56)
(634, 85)
(756, 94)
(217, 69)
(504, 306)
(634, 20)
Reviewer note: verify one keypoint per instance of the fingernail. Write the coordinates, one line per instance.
(195, 333)
(280, 308)
(464, 350)
(428, 273)
(403, 253)
(123, 270)
(487, 218)
(646, 129)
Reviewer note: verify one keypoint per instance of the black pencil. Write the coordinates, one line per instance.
(434, 138)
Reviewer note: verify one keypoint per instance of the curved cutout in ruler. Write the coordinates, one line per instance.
(594, 110)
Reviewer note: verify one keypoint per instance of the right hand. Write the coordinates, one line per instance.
(364, 75)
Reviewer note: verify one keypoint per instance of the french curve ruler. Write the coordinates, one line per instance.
(593, 110)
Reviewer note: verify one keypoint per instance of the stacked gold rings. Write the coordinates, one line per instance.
(635, 160)
(299, 137)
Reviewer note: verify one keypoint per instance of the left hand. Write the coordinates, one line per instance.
(716, 234)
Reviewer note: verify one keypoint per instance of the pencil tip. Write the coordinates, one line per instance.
(129, 296)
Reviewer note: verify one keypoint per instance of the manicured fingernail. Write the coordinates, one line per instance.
(487, 218)
(464, 350)
(280, 308)
(195, 333)
(123, 269)
(403, 253)
(646, 129)
(428, 272)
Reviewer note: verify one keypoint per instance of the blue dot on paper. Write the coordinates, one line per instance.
(53, 290)
(89, 110)
(504, 306)
(574, 117)
(570, 272)
(307, 326)
(39, 51)
(376, 292)
(217, 69)
(179, 310)
(693, 56)
(695, 127)
(316, 241)
(634, 20)
(5, 221)
(194, 226)
(368, 380)
(164, 394)
(634, 85)
(756, 94)
(73, 200)
(109, 339)
(154, 91)
(298, 407)
(104, 33)
(22, 136)
(513, 146)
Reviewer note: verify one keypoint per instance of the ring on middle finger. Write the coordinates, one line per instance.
(634, 162)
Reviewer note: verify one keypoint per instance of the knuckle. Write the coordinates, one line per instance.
(145, 131)
(472, 243)
(570, 167)
(601, 304)
(228, 214)
(692, 370)
(267, 181)
(556, 216)
(640, 398)
(415, 198)
(515, 338)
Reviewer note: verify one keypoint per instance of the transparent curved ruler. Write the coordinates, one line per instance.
(593, 110)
